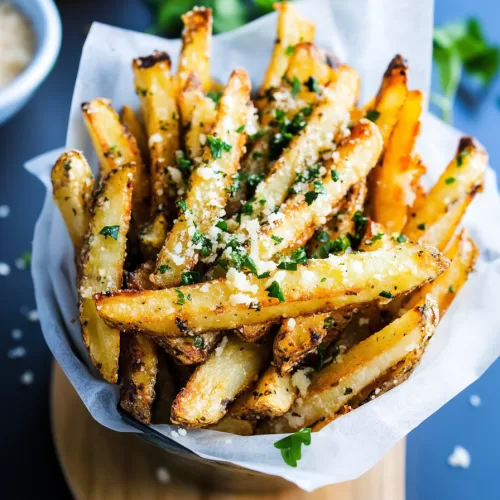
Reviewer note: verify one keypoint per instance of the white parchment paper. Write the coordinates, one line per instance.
(367, 34)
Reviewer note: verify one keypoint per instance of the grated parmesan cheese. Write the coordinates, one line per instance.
(459, 458)
(301, 381)
(220, 348)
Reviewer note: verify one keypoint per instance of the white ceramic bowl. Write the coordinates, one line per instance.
(46, 23)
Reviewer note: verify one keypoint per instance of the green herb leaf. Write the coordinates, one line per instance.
(217, 146)
(401, 238)
(312, 84)
(67, 165)
(421, 226)
(386, 295)
(180, 297)
(215, 96)
(289, 50)
(295, 86)
(328, 323)
(277, 239)
(291, 446)
(274, 290)
(449, 180)
(461, 156)
(222, 225)
(372, 115)
(240, 129)
(198, 342)
(335, 175)
(190, 278)
(110, 231)
(163, 268)
(288, 266)
(451, 289)
(182, 206)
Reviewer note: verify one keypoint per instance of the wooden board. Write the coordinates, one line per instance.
(100, 464)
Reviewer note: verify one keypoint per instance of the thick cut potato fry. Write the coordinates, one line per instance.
(436, 220)
(341, 224)
(272, 396)
(138, 370)
(115, 146)
(152, 236)
(326, 120)
(206, 198)
(102, 266)
(198, 113)
(156, 88)
(136, 128)
(234, 425)
(292, 29)
(301, 214)
(391, 96)
(301, 336)
(196, 43)
(308, 61)
(72, 182)
(376, 237)
(392, 185)
(317, 286)
(463, 254)
(333, 386)
(230, 370)
(253, 333)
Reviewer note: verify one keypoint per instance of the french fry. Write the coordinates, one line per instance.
(136, 128)
(228, 372)
(392, 192)
(272, 396)
(303, 213)
(138, 370)
(102, 266)
(206, 198)
(253, 333)
(152, 236)
(115, 146)
(436, 220)
(196, 44)
(306, 62)
(333, 386)
(233, 425)
(301, 336)
(156, 88)
(292, 28)
(72, 182)
(318, 286)
(326, 120)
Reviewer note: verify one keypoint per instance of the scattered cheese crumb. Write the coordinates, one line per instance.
(4, 211)
(228, 441)
(459, 458)
(241, 298)
(220, 348)
(4, 269)
(174, 434)
(27, 377)
(154, 139)
(33, 316)
(182, 432)
(16, 352)
(291, 323)
(16, 334)
(162, 475)
(475, 400)
(240, 281)
(301, 380)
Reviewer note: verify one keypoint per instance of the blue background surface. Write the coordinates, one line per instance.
(29, 465)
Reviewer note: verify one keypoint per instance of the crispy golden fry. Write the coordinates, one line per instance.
(333, 386)
(196, 44)
(292, 29)
(206, 198)
(72, 182)
(272, 396)
(152, 236)
(138, 370)
(253, 333)
(358, 113)
(391, 97)
(303, 213)
(198, 113)
(301, 336)
(156, 88)
(136, 128)
(115, 146)
(341, 224)
(463, 254)
(392, 192)
(326, 120)
(230, 370)
(233, 425)
(308, 61)
(102, 266)
(317, 286)
(376, 237)
(436, 220)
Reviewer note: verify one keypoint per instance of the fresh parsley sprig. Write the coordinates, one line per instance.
(291, 446)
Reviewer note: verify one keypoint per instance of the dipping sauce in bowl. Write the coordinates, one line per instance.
(17, 43)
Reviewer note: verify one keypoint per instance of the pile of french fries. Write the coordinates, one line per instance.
(265, 265)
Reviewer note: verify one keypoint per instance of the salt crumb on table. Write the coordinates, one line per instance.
(459, 458)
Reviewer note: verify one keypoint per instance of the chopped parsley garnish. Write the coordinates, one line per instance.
(449, 180)
(312, 84)
(335, 175)
(288, 266)
(261, 133)
(217, 146)
(163, 268)
(386, 295)
(240, 129)
(337, 246)
(360, 226)
(141, 91)
(222, 225)
(372, 115)
(277, 239)
(295, 86)
(181, 300)
(323, 236)
(204, 242)
(451, 289)
(190, 278)
(215, 96)
(113, 152)
(184, 165)
(421, 226)
(374, 238)
(318, 188)
(198, 342)
(291, 446)
(289, 50)
(274, 290)
(461, 156)
(299, 255)
(254, 179)
(401, 238)
(110, 231)
(328, 323)
(247, 209)
(67, 165)
(182, 206)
